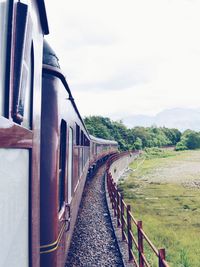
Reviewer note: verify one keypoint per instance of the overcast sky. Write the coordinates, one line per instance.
(128, 57)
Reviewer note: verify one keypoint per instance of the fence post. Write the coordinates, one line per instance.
(112, 191)
(130, 241)
(108, 183)
(109, 189)
(122, 217)
(118, 210)
(161, 257)
(140, 244)
(115, 201)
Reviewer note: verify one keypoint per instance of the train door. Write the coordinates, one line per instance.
(61, 194)
(65, 194)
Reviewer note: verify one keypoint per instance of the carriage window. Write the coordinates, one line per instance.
(77, 135)
(85, 141)
(3, 46)
(82, 138)
(62, 161)
(27, 114)
(22, 66)
(70, 164)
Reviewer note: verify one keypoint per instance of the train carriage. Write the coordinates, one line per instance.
(100, 147)
(65, 159)
(22, 27)
(45, 149)
(64, 162)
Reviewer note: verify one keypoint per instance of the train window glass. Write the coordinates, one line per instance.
(82, 138)
(77, 135)
(14, 208)
(80, 161)
(27, 114)
(85, 141)
(3, 46)
(95, 149)
(62, 161)
(70, 165)
(22, 66)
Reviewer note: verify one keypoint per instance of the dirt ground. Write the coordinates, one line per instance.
(184, 169)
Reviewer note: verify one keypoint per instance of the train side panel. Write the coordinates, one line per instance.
(21, 40)
(64, 166)
(99, 148)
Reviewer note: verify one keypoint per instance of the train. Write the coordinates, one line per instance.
(46, 152)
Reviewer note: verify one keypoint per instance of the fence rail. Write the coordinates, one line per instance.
(126, 221)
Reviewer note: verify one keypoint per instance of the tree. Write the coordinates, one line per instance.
(193, 140)
(138, 143)
(189, 140)
(135, 138)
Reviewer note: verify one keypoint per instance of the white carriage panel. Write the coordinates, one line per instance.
(14, 201)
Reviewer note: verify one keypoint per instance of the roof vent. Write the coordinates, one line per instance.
(49, 56)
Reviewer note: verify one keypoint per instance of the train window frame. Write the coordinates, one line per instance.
(62, 164)
(22, 60)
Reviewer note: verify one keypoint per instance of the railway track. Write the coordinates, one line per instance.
(93, 242)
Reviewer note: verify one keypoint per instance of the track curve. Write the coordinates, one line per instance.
(93, 242)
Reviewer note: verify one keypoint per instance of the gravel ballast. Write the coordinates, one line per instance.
(93, 242)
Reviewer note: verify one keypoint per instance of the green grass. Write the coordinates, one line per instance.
(170, 211)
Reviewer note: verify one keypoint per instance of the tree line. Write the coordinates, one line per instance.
(141, 137)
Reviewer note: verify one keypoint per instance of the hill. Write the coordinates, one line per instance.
(180, 118)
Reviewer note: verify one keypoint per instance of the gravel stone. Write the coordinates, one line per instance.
(93, 241)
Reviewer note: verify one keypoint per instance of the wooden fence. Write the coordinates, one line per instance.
(127, 222)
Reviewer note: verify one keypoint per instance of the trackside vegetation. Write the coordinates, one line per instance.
(163, 191)
(163, 186)
(141, 137)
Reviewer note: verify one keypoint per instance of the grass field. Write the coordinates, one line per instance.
(164, 192)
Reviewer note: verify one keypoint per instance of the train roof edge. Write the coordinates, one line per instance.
(103, 141)
(51, 65)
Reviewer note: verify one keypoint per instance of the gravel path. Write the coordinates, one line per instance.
(93, 242)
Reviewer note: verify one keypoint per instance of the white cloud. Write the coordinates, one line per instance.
(128, 57)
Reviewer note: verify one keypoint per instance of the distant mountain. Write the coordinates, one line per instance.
(180, 118)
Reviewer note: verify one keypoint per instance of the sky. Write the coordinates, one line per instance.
(123, 58)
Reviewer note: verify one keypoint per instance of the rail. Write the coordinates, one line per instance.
(126, 221)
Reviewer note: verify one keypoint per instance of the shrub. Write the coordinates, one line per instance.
(181, 146)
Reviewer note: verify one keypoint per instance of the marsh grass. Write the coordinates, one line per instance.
(170, 211)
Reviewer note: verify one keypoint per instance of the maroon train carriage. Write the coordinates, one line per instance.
(22, 26)
(100, 150)
(44, 155)
(100, 147)
(67, 151)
